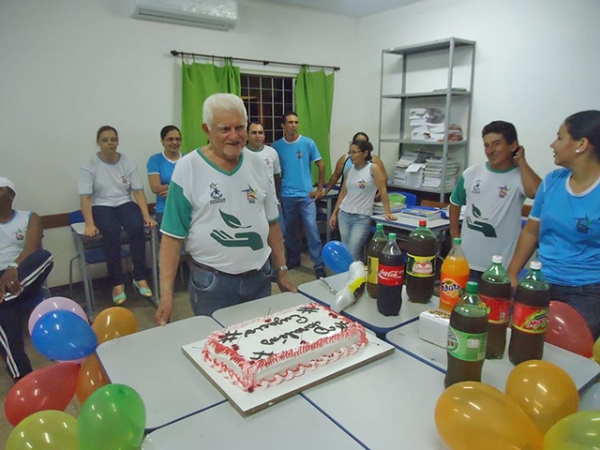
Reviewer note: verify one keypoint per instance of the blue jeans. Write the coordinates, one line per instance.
(354, 231)
(109, 221)
(584, 299)
(213, 290)
(294, 209)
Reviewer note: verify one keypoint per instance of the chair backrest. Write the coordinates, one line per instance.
(76, 217)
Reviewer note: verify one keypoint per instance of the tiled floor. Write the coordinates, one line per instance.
(144, 312)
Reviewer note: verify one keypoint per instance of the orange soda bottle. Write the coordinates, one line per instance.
(455, 274)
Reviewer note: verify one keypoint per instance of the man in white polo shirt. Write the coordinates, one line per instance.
(222, 204)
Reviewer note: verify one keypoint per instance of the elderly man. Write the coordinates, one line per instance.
(222, 204)
(23, 268)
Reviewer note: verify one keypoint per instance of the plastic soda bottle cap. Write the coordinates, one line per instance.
(457, 241)
(379, 226)
(422, 223)
(392, 237)
(497, 259)
(535, 265)
(472, 287)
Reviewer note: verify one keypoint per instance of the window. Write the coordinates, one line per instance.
(267, 98)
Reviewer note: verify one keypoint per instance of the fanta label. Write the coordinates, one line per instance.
(450, 288)
(390, 275)
(530, 319)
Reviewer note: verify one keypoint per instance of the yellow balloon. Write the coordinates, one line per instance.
(597, 351)
(544, 391)
(113, 323)
(45, 430)
(475, 416)
(580, 431)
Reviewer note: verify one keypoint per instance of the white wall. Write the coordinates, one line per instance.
(69, 67)
(537, 62)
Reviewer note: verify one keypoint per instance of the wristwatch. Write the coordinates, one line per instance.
(281, 268)
(13, 265)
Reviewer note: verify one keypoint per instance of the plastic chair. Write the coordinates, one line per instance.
(89, 251)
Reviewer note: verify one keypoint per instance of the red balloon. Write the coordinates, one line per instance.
(51, 387)
(568, 330)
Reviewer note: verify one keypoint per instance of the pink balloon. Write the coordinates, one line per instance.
(52, 304)
(568, 330)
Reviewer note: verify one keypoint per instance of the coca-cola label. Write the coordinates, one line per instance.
(530, 319)
(373, 268)
(420, 266)
(390, 275)
(498, 309)
(466, 346)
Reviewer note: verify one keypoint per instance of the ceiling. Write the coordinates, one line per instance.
(352, 8)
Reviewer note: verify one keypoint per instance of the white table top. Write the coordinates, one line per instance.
(293, 425)
(365, 309)
(152, 363)
(258, 308)
(409, 224)
(495, 372)
(388, 404)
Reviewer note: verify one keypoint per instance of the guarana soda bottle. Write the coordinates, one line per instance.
(454, 277)
(373, 252)
(495, 292)
(530, 316)
(420, 267)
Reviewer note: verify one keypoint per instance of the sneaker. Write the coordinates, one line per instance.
(320, 273)
(291, 265)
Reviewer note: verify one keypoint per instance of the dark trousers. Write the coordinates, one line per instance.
(32, 274)
(110, 221)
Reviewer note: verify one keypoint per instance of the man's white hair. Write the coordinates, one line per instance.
(221, 103)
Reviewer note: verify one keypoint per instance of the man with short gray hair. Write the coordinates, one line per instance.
(221, 203)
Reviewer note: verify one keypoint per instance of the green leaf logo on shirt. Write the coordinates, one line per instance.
(245, 239)
(231, 221)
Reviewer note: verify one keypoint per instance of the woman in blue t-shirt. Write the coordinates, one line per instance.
(564, 224)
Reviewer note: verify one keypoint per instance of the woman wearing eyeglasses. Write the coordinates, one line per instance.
(107, 183)
(354, 206)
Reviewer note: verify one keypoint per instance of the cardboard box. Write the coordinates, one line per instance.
(433, 327)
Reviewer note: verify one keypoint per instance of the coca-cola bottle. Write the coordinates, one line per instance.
(375, 247)
(390, 277)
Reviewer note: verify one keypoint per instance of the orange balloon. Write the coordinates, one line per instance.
(91, 377)
(475, 416)
(113, 323)
(544, 391)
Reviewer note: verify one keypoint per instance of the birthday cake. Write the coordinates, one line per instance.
(269, 350)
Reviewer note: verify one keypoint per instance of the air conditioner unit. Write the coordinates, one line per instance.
(214, 14)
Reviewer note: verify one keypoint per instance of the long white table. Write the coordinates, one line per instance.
(388, 404)
(152, 363)
(292, 425)
(365, 309)
(582, 370)
(257, 308)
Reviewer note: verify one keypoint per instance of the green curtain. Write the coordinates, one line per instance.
(199, 81)
(314, 100)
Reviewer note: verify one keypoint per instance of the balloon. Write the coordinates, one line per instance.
(112, 417)
(475, 416)
(63, 335)
(580, 431)
(91, 377)
(336, 256)
(45, 430)
(113, 323)
(544, 391)
(51, 387)
(590, 399)
(52, 304)
(597, 351)
(568, 330)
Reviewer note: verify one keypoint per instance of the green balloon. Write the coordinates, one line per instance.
(45, 430)
(113, 417)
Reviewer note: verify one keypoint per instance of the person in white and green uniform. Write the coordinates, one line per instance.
(222, 205)
(493, 193)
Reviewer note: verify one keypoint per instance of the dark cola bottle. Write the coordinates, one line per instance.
(530, 316)
(373, 253)
(495, 292)
(390, 277)
(467, 338)
(420, 267)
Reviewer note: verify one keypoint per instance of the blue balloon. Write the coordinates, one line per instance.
(64, 336)
(336, 256)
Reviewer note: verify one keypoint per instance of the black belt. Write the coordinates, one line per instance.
(213, 270)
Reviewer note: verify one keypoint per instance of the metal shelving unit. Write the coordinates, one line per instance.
(447, 97)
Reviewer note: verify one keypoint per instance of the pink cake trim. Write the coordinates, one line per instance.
(249, 368)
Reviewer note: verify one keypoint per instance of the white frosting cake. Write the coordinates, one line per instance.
(268, 350)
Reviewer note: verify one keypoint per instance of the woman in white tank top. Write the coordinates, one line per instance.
(354, 206)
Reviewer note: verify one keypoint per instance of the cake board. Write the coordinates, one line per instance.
(249, 403)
